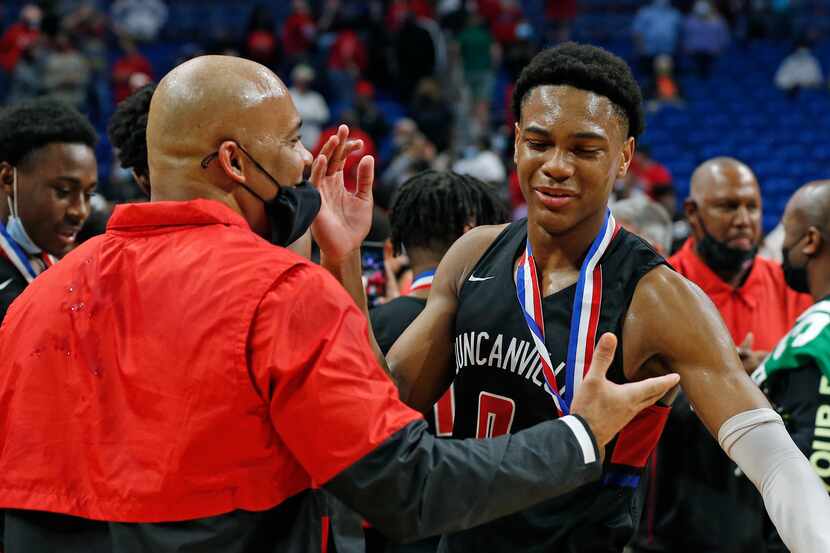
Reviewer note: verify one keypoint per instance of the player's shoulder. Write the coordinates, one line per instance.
(664, 291)
(465, 253)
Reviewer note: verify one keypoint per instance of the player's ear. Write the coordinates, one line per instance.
(515, 142)
(692, 210)
(6, 177)
(815, 241)
(626, 156)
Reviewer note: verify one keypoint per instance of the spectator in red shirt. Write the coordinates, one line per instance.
(503, 26)
(126, 66)
(697, 503)
(559, 14)
(347, 62)
(298, 32)
(261, 42)
(20, 36)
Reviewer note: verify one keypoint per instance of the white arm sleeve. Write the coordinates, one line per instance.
(793, 494)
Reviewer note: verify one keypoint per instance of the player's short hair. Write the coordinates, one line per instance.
(32, 124)
(587, 68)
(127, 130)
(431, 209)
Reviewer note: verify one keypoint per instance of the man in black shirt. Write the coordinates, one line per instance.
(796, 375)
(48, 173)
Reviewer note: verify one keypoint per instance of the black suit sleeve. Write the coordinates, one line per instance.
(413, 485)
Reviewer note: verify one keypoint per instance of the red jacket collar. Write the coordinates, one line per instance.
(154, 215)
(689, 263)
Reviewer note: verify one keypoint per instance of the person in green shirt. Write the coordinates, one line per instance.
(796, 375)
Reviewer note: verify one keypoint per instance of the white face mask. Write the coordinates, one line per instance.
(14, 226)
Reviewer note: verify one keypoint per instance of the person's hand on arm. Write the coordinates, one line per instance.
(672, 326)
(341, 419)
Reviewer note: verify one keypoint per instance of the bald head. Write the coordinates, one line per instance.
(810, 206)
(229, 112)
(724, 210)
(715, 175)
(209, 99)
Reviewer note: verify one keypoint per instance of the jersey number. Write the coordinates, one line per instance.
(495, 415)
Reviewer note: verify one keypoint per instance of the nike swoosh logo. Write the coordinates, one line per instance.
(3, 285)
(474, 278)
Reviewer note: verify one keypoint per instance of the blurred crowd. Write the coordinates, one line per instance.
(424, 84)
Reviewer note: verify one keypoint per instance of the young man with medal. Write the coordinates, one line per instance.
(185, 382)
(515, 311)
(796, 374)
(48, 173)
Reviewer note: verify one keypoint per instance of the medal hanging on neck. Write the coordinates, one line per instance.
(19, 258)
(422, 281)
(584, 319)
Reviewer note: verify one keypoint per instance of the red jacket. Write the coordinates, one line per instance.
(180, 367)
(763, 305)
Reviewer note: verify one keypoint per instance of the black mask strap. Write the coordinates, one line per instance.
(210, 157)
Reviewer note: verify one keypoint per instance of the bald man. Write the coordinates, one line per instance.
(181, 384)
(696, 502)
(796, 375)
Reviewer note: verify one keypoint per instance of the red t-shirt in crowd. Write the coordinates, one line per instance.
(126, 66)
(763, 305)
(298, 34)
(346, 51)
(15, 40)
(179, 367)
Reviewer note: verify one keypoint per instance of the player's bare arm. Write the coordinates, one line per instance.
(672, 326)
(421, 359)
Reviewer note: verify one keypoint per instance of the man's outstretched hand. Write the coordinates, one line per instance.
(608, 407)
(345, 217)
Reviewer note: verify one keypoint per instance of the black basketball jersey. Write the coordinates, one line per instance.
(499, 388)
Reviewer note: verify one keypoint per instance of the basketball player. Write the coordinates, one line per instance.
(796, 375)
(48, 173)
(515, 310)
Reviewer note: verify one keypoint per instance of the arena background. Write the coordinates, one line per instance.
(737, 110)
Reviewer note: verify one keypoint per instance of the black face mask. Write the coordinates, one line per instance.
(795, 277)
(291, 212)
(720, 257)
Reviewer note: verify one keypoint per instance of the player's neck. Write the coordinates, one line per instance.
(421, 260)
(821, 276)
(563, 251)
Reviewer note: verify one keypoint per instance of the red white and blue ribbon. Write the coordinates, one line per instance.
(422, 281)
(19, 258)
(584, 320)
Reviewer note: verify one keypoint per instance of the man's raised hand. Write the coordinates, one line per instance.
(345, 217)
